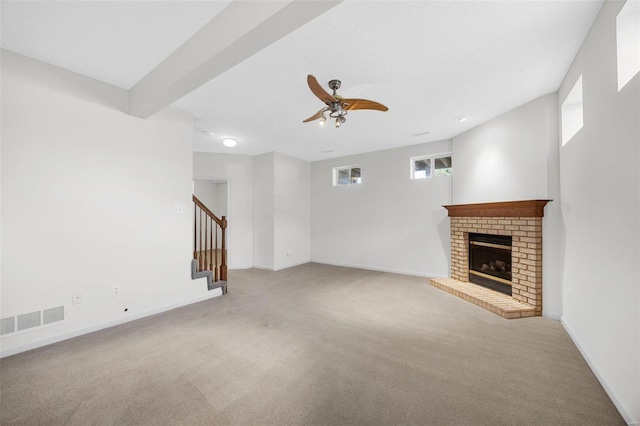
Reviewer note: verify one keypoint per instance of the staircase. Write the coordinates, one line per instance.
(209, 247)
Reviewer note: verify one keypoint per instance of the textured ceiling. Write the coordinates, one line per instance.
(117, 42)
(428, 61)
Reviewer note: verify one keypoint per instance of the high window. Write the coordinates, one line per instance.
(628, 42)
(347, 175)
(426, 166)
(572, 115)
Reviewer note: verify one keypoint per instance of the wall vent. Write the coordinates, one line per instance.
(32, 320)
(52, 315)
(29, 320)
(7, 325)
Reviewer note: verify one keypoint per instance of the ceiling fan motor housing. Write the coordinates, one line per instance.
(334, 85)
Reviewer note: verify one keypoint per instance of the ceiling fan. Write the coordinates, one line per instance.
(337, 106)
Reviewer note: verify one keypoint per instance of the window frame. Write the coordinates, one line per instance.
(336, 171)
(572, 113)
(432, 164)
(627, 43)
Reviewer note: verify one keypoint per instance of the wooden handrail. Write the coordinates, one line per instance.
(221, 222)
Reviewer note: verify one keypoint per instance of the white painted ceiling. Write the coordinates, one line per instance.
(428, 61)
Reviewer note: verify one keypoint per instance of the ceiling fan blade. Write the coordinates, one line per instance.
(363, 104)
(315, 116)
(319, 91)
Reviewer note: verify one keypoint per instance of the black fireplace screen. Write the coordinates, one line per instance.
(490, 261)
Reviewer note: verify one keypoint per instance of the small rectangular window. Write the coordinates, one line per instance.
(628, 42)
(427, 166)
(343, 177)
(422, 168)
(347, 175)
(572, 112)
(443, 166)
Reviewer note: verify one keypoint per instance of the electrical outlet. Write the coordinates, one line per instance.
(76, 298)
(115, 291)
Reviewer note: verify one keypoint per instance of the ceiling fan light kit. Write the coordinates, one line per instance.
(337, 106)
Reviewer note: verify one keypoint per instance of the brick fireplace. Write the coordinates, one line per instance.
(520, 220)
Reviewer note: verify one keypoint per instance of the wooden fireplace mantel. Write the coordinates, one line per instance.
(524, 208)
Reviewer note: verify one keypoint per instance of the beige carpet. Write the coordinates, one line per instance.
(312, 345)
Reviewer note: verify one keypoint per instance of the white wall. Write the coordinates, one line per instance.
(292, 211)
(281, 226)
(207, 192)
(88, 195)
(268, 212)
(515, 157)
(221, 199)
(600, 183)
(213, 194)
(263, 215)
(506, 158)
(237, 170)
(388, 222)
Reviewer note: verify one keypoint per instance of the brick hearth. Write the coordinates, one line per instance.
(522, 220)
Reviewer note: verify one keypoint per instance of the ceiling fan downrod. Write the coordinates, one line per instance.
(334, 85)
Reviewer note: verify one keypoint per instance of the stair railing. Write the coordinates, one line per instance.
(208, 229)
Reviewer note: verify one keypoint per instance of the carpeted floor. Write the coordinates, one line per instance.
(312, 345)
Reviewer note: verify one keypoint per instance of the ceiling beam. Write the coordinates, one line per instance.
(242, 29)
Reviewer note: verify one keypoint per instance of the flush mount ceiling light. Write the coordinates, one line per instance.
(229, 142)
(461, 118)
(337, 106)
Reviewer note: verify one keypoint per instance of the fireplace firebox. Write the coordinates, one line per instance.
(490, 261)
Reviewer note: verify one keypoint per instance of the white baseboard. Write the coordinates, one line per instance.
(551, 315)
(371, 268)
(71, 334)
(605, 386)
(239, 267)
(292, 265)
(271, 268)
(266, 268)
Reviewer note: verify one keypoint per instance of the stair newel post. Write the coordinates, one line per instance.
(195, 231)
(214, 228)
(215, 269)
(200, 265)
(206, 240)
(223, 263)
